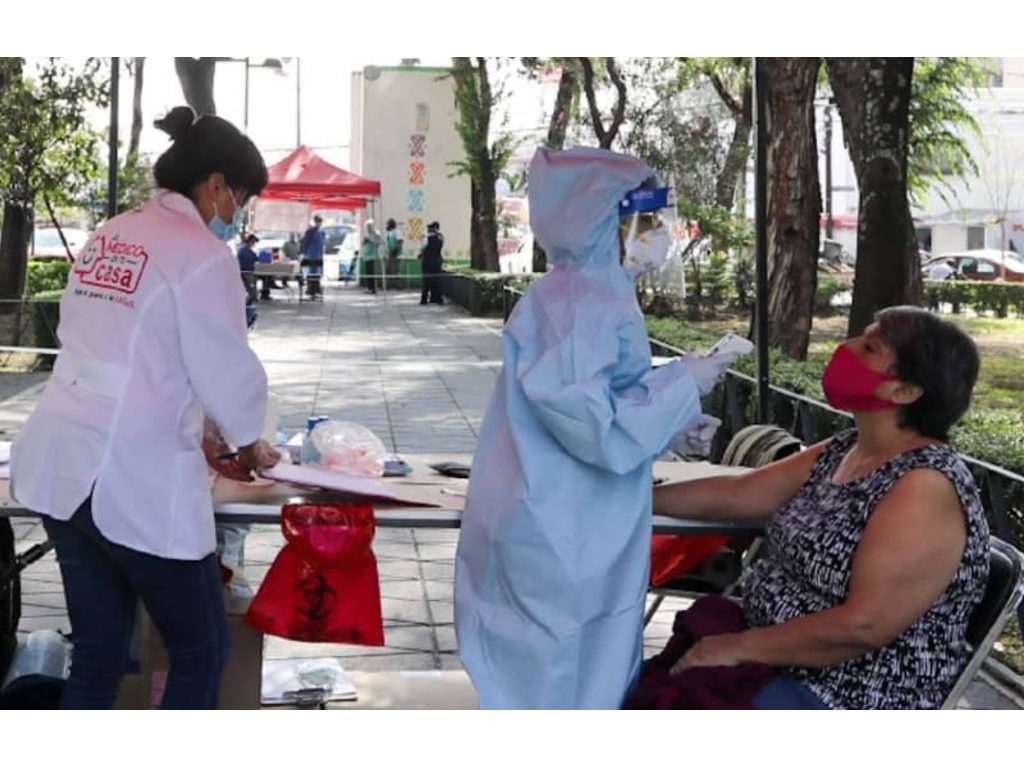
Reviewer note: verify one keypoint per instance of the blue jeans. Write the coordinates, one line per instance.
(784, 693)
(103, 582)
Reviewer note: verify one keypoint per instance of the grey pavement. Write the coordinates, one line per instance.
(420, 377)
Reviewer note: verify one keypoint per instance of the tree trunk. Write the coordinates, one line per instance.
(568, 87)
(794, 202)
(133, 145)
(196, 78)
(876, 111)
(488, 203)
(488, 221)
(14, 240)
(17, 220)
(476, 259)
(735, 167)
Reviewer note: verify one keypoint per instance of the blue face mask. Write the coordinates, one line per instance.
(226, 231)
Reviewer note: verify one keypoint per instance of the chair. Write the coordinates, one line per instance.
(753, 446)
(1002, 595)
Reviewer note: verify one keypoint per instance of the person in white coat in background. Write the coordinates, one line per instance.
(152, 338)
(554, 551)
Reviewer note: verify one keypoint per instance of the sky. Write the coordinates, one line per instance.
(324, 94)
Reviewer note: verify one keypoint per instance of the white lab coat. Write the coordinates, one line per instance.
(554, 552)
(152, 334)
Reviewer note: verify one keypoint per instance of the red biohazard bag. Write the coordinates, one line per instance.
(673, 555)
(323, 585)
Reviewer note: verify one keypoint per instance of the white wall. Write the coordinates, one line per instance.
(948, 238)
(403, 135)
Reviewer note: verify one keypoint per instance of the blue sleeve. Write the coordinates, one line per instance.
(574, 389)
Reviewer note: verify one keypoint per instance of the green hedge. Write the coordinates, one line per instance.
(45, 307)
(478, 292)
(46, 276)
(828, 288)
(998, 297)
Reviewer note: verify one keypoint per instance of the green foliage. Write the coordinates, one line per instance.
(744, 279)
(993, 436)
(828, 288)
(45, 307)
(47, 277)
(998, 297)
(940, 122)
(484, 296)
(721, 225)
(46, 146)
(717, 278)
(476, 98)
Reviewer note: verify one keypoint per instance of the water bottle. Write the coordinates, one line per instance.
(309, 452)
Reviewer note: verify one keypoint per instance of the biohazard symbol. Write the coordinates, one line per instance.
(316, 599)
(417, 145)
(414, 229)
(417, 173)
(415, 200)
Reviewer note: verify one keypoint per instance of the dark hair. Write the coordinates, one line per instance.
(937, 356)
(390, 224)
(433, 225)
(203, 147)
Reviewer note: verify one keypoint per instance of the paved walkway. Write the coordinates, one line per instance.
(420, 377)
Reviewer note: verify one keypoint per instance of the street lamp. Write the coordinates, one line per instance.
(275, 64)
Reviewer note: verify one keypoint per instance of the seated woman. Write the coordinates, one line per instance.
(877, 543)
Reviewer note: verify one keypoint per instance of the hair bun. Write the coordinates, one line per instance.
(176, 122)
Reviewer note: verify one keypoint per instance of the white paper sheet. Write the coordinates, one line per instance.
(312, 476)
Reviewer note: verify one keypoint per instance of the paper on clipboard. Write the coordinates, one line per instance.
(325, 479)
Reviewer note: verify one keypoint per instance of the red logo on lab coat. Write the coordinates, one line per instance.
(112, 264)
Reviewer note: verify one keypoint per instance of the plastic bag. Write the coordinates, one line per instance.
(673, 556)
(323, 585)
(348, 448)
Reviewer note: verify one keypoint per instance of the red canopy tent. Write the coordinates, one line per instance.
(305, 176)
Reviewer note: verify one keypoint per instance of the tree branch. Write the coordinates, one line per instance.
(619, 113)
(588, 88)
(723, 93)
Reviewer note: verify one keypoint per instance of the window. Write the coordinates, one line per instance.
(975, 237)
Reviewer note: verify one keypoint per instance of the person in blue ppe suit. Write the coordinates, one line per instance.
(553, 555)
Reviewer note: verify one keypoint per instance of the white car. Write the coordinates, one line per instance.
(46, 243)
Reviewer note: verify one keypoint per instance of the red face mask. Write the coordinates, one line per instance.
(849, 384)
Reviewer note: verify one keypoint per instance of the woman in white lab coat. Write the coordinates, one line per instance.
(152, 337)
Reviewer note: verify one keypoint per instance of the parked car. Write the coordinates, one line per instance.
(271, 240)
(46, 242)
(334, 236)
(988, 264)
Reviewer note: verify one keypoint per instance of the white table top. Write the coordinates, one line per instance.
(261, 504)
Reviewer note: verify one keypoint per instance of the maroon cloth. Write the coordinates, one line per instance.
(705, 687)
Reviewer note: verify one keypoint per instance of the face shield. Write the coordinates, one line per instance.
(650, 229)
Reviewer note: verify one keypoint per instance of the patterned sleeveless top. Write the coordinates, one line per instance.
(811, 543)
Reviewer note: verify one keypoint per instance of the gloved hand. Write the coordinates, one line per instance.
(698, 438)
(706, 370)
